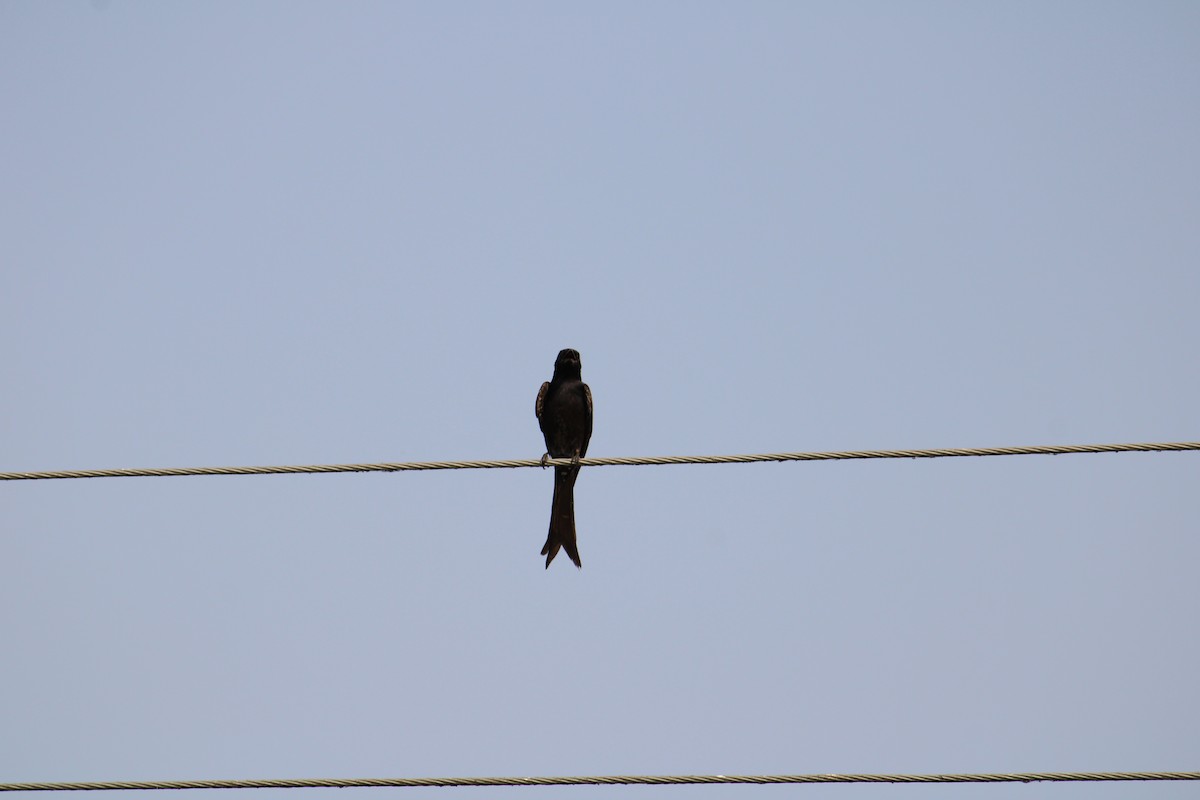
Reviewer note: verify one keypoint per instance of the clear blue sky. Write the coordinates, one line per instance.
(297, 232)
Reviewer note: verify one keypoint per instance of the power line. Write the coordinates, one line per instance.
(604, 780)
(407, 466)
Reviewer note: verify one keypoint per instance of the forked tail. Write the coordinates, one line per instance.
(562, 517)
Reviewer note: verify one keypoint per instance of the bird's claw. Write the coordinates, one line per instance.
(545, 458)
(575, 460)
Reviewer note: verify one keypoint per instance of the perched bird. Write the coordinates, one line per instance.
(564, 413)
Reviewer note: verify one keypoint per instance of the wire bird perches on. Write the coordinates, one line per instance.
(603, 780)
(837, 455)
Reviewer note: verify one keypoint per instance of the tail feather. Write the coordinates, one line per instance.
(562, 517)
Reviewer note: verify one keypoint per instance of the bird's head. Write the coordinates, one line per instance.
(567, 362)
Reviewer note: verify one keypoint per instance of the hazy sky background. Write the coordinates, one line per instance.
(297, 233)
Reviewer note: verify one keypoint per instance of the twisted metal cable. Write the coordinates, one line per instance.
(602, 780)
(837, 455)
(608, 461)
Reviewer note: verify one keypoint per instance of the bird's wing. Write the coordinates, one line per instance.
(541, 399)
(587, 392)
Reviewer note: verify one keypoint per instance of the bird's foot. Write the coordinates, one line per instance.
(545, 458)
